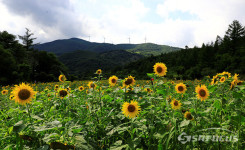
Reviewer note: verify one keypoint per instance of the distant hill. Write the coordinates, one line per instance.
(148, 49)
(60, 47)
(83, 58)
(85, 63)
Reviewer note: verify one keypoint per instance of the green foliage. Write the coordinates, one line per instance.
(85, 63)
(20, 63)
(149, 49)
(190, 63)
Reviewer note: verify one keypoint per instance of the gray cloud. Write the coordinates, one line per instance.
(49, 15)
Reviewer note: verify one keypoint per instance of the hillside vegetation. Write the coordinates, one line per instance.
(225, 54)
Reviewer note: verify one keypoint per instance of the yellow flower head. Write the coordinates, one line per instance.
(160, 69)
(180, 88)
(81, 88)
(99, 71)
(128, 81)
(188, 116)
(92, 85)
(175, 104)
(222, 79)
(113, 80)
(56, 86)
(131, 109)
(62, 78)
(23, 93)
(63, 93)
(4, 92)
(226, 74)
(148, 90)
(215, 79)
(202, 92)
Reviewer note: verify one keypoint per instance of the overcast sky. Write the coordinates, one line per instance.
(168, 22)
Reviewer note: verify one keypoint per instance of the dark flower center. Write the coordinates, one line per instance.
(24, 94)
(63, 93)
(92, 85)
(176, 103)
(113, 80)
(181, 88)
(189, 116)
(129, 81)
(202, 93)
(159, 69)
(62, 78)
(131, 108)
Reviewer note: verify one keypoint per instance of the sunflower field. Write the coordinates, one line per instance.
(125, 113)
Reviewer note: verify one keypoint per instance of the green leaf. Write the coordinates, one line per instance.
(19, 126)
(237, 95)
(212, 88)
(76, 130)
(163, 92)
(184, 123)
(217, 104)
(151, 75)
(36, 117)
(44, 147)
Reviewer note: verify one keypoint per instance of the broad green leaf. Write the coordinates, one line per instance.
(184, 123)
(19, 126)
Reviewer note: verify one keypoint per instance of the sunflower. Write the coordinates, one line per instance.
(214, 80)
(180, 88)
(130, 89)
(128, 81)
(113, 80)
(56, 86)
(148, 90)
(202, 92)
(4, 92)
(222, 79)
(23, 93)
(11, 97)
(227, 74)
(160, 69)
(175, 104)
(131, 109)
(63, 93)
(239, 82)
(81, 88)
(236, 77)
(91, 84)
(62, 78)
(188, 116)
(99, 71)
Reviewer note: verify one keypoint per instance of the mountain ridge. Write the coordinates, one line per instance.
(62, 46)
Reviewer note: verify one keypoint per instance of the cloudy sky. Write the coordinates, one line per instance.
(168, 22)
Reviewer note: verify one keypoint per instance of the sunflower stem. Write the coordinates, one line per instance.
(125, 96)
(29, 114)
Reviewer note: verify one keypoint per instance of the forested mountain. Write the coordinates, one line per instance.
(84, 63)
(60, 47)
(149, 49)
(82, 57)
(225, 54)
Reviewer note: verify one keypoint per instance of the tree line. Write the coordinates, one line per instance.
(22, 63)
(225, 54)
